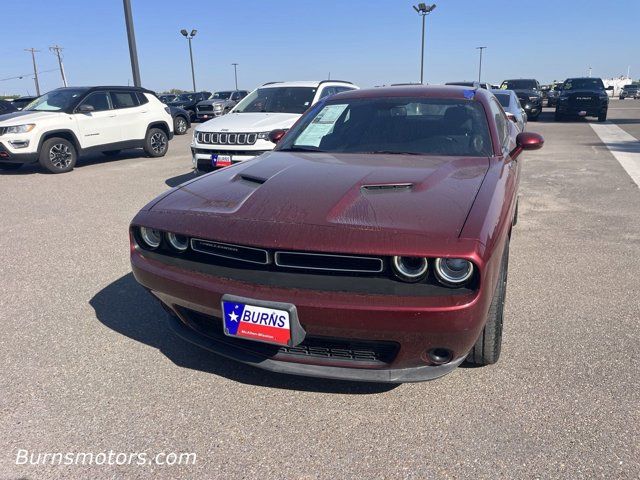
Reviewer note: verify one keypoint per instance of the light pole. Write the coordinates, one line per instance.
(131, 36)
(189, 36)
(235, 72)
(423, 10)
(480, 65)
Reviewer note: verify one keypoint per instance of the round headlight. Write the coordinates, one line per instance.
(410, 269)
(179, 242)
(151, 237)
(453, 271)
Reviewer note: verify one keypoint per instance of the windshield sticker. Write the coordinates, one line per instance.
(321, 125)
(469, 94)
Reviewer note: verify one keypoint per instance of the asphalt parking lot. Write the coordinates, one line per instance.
(89, 364)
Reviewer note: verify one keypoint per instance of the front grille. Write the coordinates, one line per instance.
(360, 353)
(325, 262)
(223, 138)
(581, 100)
(204, 108)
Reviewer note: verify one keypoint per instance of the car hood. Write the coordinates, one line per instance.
(20, 117)
(249, 122)
(212, 102)
(527, 92)
(325, 202)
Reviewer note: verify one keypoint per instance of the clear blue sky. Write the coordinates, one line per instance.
(369, 42)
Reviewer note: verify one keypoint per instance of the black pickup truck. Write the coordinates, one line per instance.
(583, 97)
(529, 93)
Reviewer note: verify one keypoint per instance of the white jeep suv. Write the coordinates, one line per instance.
(244, 132)
(59, 126)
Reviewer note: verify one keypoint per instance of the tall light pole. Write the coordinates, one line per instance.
(235, 72)
(480, 65)
(423, 10)
(131, 36)
(35, 70)
(56, 49)
(189, 36)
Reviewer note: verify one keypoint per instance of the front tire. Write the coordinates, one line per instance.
(558, 116)
(603, 116)
(487, 349)
(156, 143)
(58, 155)
(180, 125)
(10, 166)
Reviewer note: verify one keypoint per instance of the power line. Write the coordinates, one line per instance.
(19, 77)
(56, 49)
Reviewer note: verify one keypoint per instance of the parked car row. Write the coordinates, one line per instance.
(630, 91)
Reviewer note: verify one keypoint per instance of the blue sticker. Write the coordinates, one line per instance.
(469, 94)
(232, 313)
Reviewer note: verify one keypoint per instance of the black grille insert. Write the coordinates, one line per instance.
(235, 252)
(327, 262)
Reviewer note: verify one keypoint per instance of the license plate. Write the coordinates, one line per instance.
(220, 160)
(268, 322)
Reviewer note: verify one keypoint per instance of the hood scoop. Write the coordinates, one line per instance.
(251, 178)
(386, 187)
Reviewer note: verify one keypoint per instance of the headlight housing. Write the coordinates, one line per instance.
(151, 237)
(453, 271)
(178, 242)
(410, 269)
(217, 106)
(264, 135)
(20, 128)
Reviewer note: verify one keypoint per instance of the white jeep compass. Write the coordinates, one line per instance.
(59, 126)
(244, 132)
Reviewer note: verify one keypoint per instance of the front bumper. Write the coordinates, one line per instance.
(202, 158)
(208, 114)
(414, 324)
(580, 111)
(8, 155)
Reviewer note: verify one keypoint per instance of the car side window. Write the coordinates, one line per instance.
(235, 96)
(142, 98)
(98, 100)
(124, 99)
(502, 123)
(343, 89)
(328, 91)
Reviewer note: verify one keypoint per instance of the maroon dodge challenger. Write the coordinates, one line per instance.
(372, 244)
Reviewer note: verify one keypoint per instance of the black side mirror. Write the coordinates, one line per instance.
(610, 87)
(86, 108)
(276, 135)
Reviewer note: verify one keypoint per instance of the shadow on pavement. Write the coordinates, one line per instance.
(127, 308)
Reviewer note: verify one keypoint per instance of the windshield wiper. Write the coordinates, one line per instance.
(392, 152)
(302, 149)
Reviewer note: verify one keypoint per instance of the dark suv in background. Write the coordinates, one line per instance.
(220, 103)
(188, 102)
(583, 97)
(529, 93)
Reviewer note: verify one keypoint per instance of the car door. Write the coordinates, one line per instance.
(99, 126)
(131, 116)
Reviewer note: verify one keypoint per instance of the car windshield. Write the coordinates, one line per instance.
(583, 84)
(221, 96)
(504, 99)
(630, 87)
(519, 85)
(55, 100)
(462, 84)
(185, 97)
(404, 125)
(277, 100)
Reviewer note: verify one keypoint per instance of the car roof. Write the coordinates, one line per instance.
(583, 78)
(424, 91)
(303, 83)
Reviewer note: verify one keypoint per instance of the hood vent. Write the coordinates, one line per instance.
(251, 178)
(385, 187)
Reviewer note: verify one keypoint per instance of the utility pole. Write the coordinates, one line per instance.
(590, 72)
(480, 66)
(131, 36)
(423, 10)
(35, 70)
(235, 72)
(56, 49)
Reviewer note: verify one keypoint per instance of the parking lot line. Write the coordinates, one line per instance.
(623, 146)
